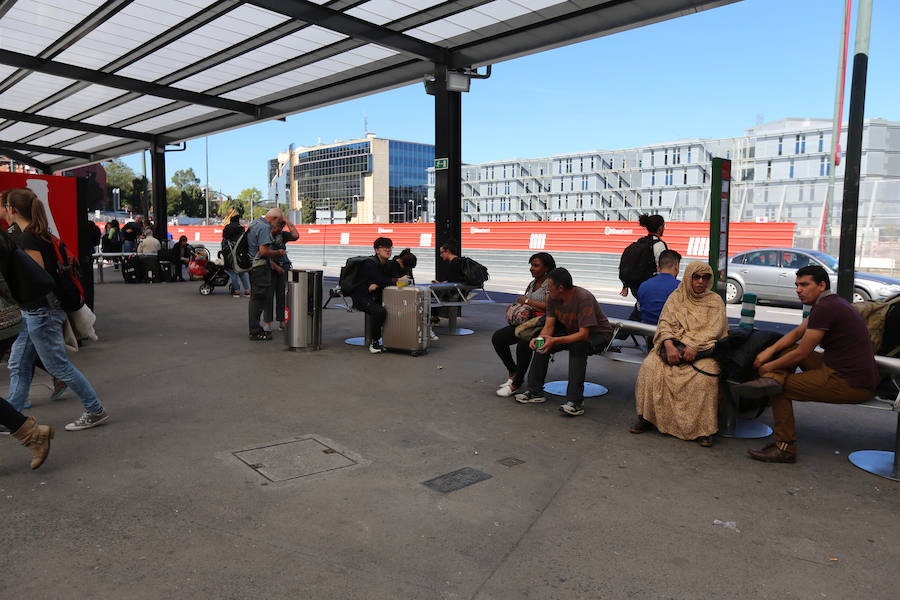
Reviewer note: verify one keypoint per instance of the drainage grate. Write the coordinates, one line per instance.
(291, 460)
(456, 480)
(510, 461)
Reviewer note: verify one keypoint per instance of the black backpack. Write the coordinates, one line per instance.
(237, 254)
(638, 263)
(474, 272)
(68, 290)
(352, 276)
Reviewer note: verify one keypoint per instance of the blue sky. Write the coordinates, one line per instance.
(711, 74)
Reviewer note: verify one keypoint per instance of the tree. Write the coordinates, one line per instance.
(308, 210)
(252, 196)
(184, 178)
(193, 202)
(173, 201)
(118, 175)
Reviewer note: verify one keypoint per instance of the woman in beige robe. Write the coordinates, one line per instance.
(671, 394)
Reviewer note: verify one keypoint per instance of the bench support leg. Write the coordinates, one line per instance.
(452, 329)
(732, 426)
(880, 462)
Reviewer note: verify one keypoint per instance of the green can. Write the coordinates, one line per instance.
(538, 343)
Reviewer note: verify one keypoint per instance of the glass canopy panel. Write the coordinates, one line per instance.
(385, 11)
(472, 19)
(94, 142)
(32, 25)
(303, 41)
(55, 137)
(33, 88)
(81, 101)
(18, 130)
(47, 158)
(236, 26)
(134, 25)
(170, 118)
(127, 110)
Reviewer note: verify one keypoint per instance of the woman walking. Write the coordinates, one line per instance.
(43, 319)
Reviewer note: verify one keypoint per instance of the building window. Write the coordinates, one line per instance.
(653, 178)
(791, 170)
(666, 156)
(780, 142)
(677, 156)
(797, 144)
(685, 177)
(769, 170)
(689, 155)
(822, 166)
(821, 141)
(506, 187)
(569, 165)
(652, 159)
(584, 183)
(803, 144)
(504, 171)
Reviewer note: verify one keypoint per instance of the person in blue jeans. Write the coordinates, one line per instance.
(231, 233)
(43, 320)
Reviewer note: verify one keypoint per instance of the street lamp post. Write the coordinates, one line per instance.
(411, 209)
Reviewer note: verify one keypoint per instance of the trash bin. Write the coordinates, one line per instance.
(303, 321)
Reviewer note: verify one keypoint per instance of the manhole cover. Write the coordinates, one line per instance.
(510, 461)
(290, 460)
(456, 480)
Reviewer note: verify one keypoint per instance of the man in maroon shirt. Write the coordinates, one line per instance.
(844, 374)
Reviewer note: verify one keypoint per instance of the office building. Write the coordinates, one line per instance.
(779, 173)
(374, 180)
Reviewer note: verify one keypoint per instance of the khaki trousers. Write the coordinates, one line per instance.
(817, 383)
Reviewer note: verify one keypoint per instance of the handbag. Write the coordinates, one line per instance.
(516, 313)
(679, 346)
(10, 315)
(530, 328)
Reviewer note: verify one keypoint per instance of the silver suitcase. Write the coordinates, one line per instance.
(408, 314)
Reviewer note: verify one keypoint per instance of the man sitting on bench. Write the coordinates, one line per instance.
(376, 275)
(575, 322)
(845, 374)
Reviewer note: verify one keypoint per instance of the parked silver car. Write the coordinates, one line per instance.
(770, 273)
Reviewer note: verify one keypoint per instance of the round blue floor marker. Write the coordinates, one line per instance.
(558, 388)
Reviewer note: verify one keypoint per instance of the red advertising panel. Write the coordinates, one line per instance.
(58, 196)
(690, 239)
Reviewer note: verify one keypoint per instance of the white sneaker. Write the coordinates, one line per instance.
(434, 336)
(376, 348)
(506, 390)
(507, 382)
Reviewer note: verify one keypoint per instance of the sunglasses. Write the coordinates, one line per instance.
(704, 277)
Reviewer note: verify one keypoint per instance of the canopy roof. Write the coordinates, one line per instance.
(87, 80)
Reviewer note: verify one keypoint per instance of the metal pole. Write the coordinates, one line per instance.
(447, 175)
(850, 206)
(206, 139)
(826, 243)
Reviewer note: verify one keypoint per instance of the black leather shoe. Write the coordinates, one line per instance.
(762, 387)
(641, 425)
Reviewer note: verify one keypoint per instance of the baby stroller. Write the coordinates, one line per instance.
(214, 274)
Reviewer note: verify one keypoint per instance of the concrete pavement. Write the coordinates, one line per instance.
(159, 502)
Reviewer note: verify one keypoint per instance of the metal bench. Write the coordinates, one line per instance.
(883, 463)
(455, 295)
(346, 303)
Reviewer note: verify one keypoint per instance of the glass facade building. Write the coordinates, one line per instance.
(375, 180)
(332, 177)
(408, 179)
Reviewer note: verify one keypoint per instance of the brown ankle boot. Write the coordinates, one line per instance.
(36, 438)
(779, 452)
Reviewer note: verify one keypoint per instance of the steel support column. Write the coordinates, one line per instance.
(447, 181)
(852, 167)
(158, 189)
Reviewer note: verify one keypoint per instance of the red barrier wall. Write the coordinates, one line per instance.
(690, 239)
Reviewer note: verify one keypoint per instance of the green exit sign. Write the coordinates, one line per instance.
(441, 163)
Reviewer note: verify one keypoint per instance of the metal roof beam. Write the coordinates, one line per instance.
(25, 160)
(58, 69)
(353, 27)
(14, 115)
(45, 150)
(71, 36)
